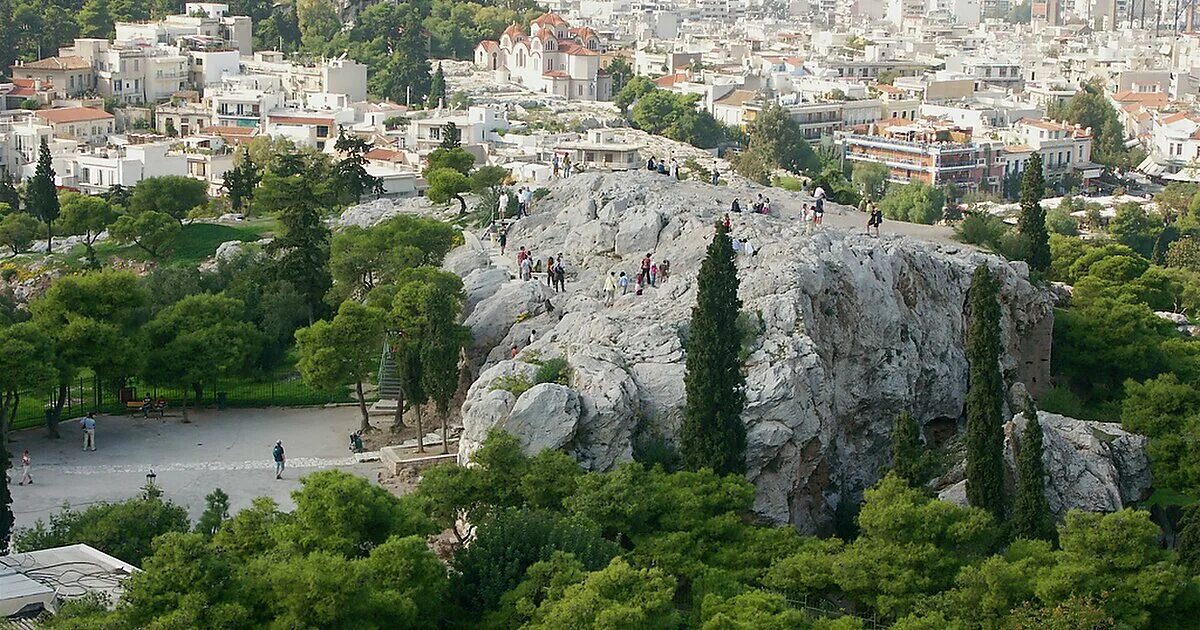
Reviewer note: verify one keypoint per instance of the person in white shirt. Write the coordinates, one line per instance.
(502, 210)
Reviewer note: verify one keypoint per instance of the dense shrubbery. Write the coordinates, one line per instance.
(556, 547)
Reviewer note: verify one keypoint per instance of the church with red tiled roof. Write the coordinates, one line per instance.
(552, 57)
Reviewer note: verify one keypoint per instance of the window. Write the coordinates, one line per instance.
(322, 131)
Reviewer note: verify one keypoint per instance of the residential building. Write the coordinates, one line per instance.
(71, 74)
(553, 58)
(477, 125)
(201, 21)
(133, 73)
(326, 76)
(97, 169)
(83, 124)
(602, 150)
(21, 135)
(927, 151)
(183, 115)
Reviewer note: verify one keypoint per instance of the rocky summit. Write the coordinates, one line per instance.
(843, 331)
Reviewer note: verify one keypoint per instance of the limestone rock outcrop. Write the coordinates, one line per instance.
(843, 331)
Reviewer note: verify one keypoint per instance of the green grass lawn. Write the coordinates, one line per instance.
(196, 241)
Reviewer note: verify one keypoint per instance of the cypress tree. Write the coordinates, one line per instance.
(42, 198)
(437, 88)
(1189, 538)
(908, 455)
(1032, 222)
(9, 194)
(713, 435)
(985, 439)
(1031, 511)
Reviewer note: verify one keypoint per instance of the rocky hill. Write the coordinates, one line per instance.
(847, 330)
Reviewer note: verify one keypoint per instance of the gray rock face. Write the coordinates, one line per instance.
(1094, 466)
(544, 417)
(846, 330)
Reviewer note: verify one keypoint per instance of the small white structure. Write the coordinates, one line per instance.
(39, 581)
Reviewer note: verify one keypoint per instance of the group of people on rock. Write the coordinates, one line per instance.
(555, 268)
(663, 167)
(650, 273)
(762, 205)
(561, 167)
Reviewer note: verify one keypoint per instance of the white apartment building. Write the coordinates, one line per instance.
(132, 74)
(96, 170)
(244, 100)
(82, 124)
(1064, 148)
(21, 135)
(477, 125)
(1174, 147)
(216, 26)
(70, 75)
(554, 58)
(327, 76)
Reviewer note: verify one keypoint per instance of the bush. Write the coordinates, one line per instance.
(540, 193)
(516, 384)
(1012, 245)
(555, 370)
(124, 530)
(981, 229)
(794, 184)
(1061, 400)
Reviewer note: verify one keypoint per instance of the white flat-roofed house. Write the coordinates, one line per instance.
(84, 124)
(602, 149)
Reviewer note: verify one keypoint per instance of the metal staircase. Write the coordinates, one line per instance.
(388, 380)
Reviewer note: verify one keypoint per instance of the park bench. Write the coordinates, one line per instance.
(147, 407)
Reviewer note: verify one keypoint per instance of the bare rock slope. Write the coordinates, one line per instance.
(847, 330)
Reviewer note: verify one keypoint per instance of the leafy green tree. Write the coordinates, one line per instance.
(1100, 345)
(915, 202)
(343, 350)
(511, 541)
(41, 197)
(1184, 253)
(216, 512)
(1168, 412)
(172, 195)
(621, 73)
(456, 159)
(446, 184)
(1031, 511)
(635, 88)
(751, 609)
(776, 140)
(95, 20)
(1059, 221)
(437, 89)
(364, 258)
(1189, 538)
(1133, 227)
(909, 458)
(240, 182)
(1090, 108)
(985, 437)
(871, 179)
(85, 215)
(618, 595)
(451, 136)
(675, 116)
(152, 232)
(1032, 223)
(344, 514)
(27, 364)
(713, 434)
(351, 174)
(319, 22)
(199, 340)
(125, 530)
(18, 231)
(95, 322)
(441, 347)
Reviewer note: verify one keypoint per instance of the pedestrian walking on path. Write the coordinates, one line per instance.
(664, 270)
(644, 276)
(503, 240)
(610, 288)
(88, 424)
(26, 466)
(280, 458)
(550, 271)
(624, 282)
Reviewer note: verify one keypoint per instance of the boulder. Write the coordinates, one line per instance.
(481, 284)
(1092, 466)
(544, 417)
(493, 316)
(638, 233)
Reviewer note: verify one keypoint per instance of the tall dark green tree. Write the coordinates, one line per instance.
(437, 88)
(451, 136)
(350, 173)
(8, 192)
(240, 182)
(1032, 222)
(985, 437)
(1031, 511)
(1189, 538)
(908, 454)
(8, 37)
(713, 434)
(42, 198)
(301, 247)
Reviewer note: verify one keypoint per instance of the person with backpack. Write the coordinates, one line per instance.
(503, 240)
(88, 424)
(874, 220)
(278, 454)
(560, 275)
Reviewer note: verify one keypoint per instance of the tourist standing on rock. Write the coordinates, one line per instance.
(819, 200)
(280, 458)
(560, 275)
(664, 270)
(88, 424)
(554, 165)
(502, 206)
(650, 165)
(623, 280)
(550, 271)
(674, 168)
(766, 209)
(640, 284)
(610, 288)
(653, 275)
(818, 213)
(566, 166)
(527, 202)
(716, 176)
(808, 218)
(874, 220)
(26, 466)
(645, 274)
(728, 223)
(503, 240)
(527, 268)
(735, 207)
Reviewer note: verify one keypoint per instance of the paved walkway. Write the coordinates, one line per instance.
(227, 449)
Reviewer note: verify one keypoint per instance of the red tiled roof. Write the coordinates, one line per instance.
(513, 31)
(1151, 98)
(576, 50)
(73, 114)
(671, 79)
(489, 45)
(550, 18)
(384, 155)
(556, 74)
(69, 62)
